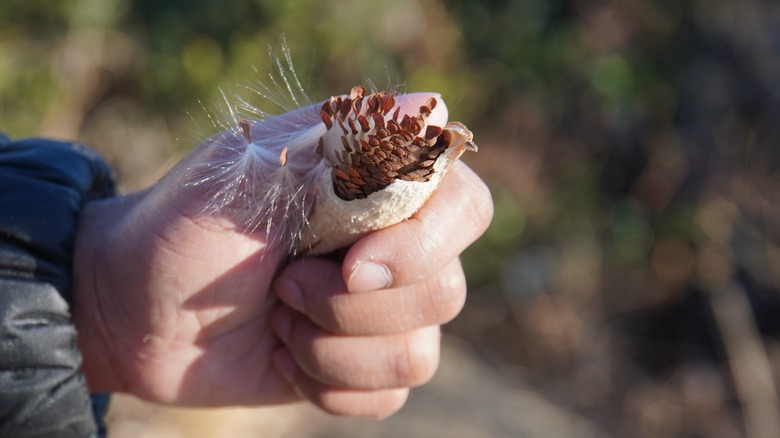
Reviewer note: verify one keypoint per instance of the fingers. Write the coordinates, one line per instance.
(356, 335)
(364, 376)
(315, 288)
(359, 362)
(387, 340)
(425, 275)
(457, 213)
(376, 404)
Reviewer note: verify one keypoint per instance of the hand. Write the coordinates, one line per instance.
(179, 308)
(359, 334)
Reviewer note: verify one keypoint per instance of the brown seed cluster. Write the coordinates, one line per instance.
(375, 155)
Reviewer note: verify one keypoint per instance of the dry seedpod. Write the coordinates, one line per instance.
(320, 176)
(385, 159)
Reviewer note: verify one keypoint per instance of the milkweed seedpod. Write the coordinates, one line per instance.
(321, 175)
(386, 156)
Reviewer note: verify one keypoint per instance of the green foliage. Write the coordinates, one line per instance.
(604, 82)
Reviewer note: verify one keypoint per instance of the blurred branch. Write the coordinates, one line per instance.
(746, 352)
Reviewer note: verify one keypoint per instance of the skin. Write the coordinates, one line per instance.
(182, 308)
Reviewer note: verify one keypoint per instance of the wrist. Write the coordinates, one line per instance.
(93, 261)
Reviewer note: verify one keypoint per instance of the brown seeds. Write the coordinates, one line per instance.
(340, 173)
(406, 122)
(346, 108)
(357, 92)
(392, 128)
(246, 128)
(373, 103)
(379, 121)
(363, 123)
(376, 154)
(388, 102)
(432, 132)
(357, 105)
(345, 143)
(415, 126)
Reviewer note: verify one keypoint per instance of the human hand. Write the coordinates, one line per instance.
(359, 334)
(179, 308)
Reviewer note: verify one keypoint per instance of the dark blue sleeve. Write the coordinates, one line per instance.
(43, 187)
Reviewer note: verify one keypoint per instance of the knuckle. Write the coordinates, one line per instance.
(418, 360)
(448, 296)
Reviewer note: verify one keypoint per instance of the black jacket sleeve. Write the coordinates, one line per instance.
(43, 187)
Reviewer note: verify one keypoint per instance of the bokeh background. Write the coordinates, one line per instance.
(628, 285)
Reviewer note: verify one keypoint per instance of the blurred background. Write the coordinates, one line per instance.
(628, 285)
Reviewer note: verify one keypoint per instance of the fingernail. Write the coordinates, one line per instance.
(369, 276)
(290, 293)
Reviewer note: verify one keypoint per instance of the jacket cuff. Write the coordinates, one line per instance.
(45, 184)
